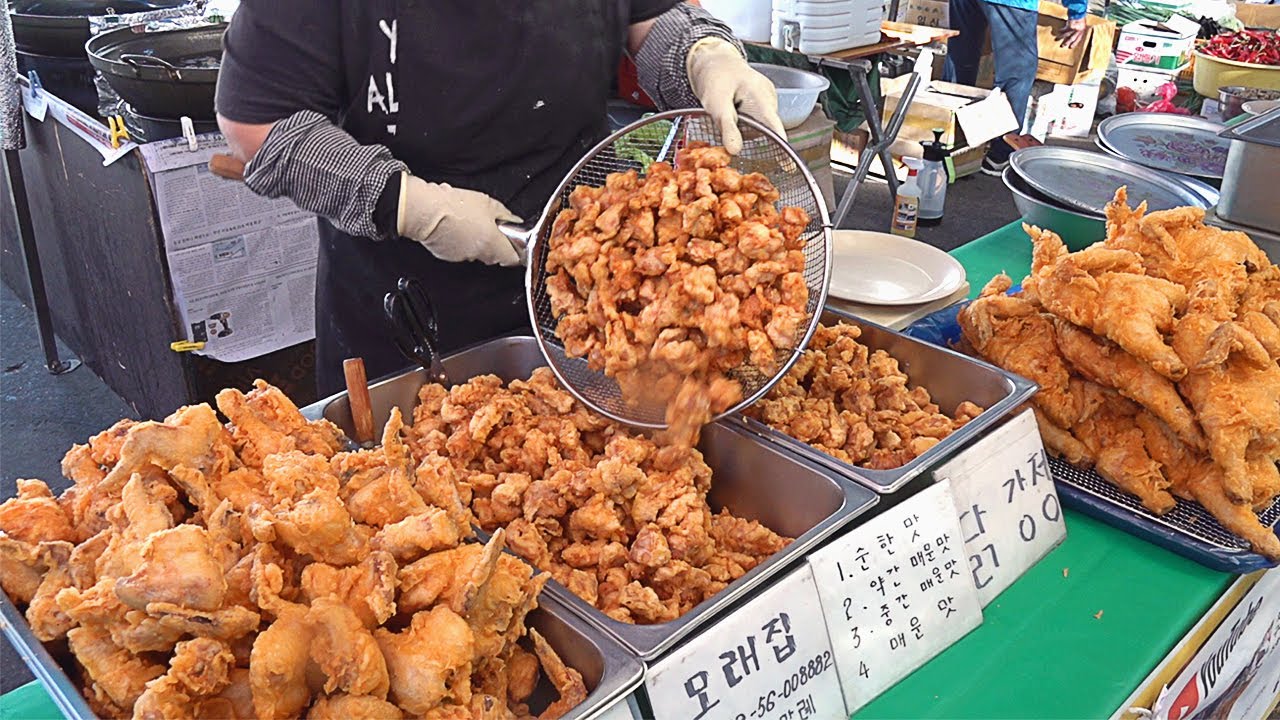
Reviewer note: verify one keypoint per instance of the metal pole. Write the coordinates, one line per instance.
(35, 277)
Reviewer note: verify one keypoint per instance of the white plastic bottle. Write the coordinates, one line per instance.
(906, 206)
(824, 26)
(933, 180)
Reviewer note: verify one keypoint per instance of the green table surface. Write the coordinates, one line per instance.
(1042, 650)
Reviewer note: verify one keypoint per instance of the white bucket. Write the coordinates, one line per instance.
(748, 19)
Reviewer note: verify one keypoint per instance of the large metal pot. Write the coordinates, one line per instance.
(165, 74)
(60, 28)
(1253, 173)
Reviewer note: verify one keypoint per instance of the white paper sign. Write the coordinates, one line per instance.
(895, 593)
(1007, 504)
(769, 659)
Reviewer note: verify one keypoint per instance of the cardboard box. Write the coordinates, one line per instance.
(1145, 81)
(929, 13)
(1255, 15)
(1164, 45)
(968, 116)
(1085, 61)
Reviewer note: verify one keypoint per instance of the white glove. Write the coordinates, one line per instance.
(455, 224)
(725, 84)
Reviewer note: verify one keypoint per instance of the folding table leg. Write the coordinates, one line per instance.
(35, 277)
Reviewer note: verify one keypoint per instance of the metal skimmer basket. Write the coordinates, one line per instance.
(658, 138)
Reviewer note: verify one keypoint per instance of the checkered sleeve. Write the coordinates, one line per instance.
(662, 60)
(319, 166)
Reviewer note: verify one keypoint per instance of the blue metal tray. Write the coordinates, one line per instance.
(1188, 530)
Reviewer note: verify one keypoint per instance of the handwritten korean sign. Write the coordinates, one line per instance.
(1008, 507)
(769, 659)
(895, 592)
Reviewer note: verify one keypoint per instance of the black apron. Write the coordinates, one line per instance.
(496, 96)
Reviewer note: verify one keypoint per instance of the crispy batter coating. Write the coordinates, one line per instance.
(253, 571)
(856, 405)
(599, 508)
(669, 281)
(1169, 332)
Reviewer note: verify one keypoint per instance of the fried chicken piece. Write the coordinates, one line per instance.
(308, 515)
(278, 665)
(233, 702)
(430, 661)
(199, 667)
(122, 676)
(1061, 442)
(191, 437)
(1108, 365)
(345, 651)
(21, 569)
(1118, 448)
(738, 535)
(377, 484)
(453, 577)
(353, 707)
(265, 422)
(228, 623)
(34, 516)
(411, 538)
(521, 670)
(1234, 386)
(1104, 290)
(368, 589)
(1197, 478)
(47, 620)
(567, 681)
(143, 511)
(178, 567)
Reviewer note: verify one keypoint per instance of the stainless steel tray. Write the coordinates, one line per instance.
(755, 480)
(950, 378)
(1173, 143)
(608, 669)
(1086, 181)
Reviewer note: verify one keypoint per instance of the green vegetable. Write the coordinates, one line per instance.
(638, 144)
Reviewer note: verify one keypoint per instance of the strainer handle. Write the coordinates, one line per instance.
(519, 236)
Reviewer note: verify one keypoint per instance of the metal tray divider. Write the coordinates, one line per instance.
(51, 675)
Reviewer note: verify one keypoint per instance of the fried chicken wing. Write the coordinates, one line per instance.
(121, 675)
(1106, 364)
(278, 666)
(265, 422)
(178, 567)
(1104, 290)
(199, 667)
(567, 681)
(353, 707)
(345, 651)
(368, 589)
(34, 515)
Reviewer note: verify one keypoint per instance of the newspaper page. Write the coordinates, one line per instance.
(1236, 674)
(243, 266)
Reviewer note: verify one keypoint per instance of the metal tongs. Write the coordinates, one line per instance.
(417, 334)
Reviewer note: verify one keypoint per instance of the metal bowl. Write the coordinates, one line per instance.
(798, 91)
(1077, 229)
(1233, 97)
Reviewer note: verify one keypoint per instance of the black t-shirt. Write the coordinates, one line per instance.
(487, 94)
(500, 96)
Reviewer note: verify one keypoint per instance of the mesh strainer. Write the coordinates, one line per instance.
(657, 138)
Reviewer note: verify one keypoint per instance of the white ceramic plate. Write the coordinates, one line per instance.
(1258, 107)
(882, 269)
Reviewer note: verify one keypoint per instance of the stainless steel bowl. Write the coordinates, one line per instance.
(1233, 97)
(1076, 228)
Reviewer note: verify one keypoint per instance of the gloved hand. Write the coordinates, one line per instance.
(455, 224)
(726, 84)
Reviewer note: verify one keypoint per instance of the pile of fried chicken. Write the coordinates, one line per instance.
(856, 405)
(1157, 352)
(672, 282)
(255, 570)
(620, 521)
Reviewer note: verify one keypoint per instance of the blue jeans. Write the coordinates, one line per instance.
(1013, 47)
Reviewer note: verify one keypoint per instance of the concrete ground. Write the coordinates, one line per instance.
(41, 415)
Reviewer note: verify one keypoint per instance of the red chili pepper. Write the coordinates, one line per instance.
(1258, 47)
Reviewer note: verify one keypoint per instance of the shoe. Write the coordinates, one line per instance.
(993, 167)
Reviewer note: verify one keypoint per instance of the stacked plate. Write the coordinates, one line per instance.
(892, 280)
(1067, 190)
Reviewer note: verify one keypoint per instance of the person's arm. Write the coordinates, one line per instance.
(279, 90)
(1073, 33)
(686, 58)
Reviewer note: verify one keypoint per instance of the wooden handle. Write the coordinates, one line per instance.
(358, 396)
(225, 166)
